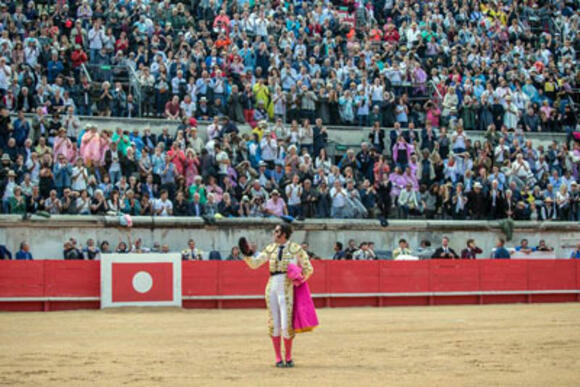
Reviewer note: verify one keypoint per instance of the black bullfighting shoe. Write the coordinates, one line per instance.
(280, 364)
(289, 364)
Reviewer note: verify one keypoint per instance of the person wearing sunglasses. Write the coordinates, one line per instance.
(280, 288)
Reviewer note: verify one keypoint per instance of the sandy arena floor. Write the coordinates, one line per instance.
(527, 345)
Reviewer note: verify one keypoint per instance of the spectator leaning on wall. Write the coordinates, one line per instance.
(24, 252)
(444, 252)
(500, 251)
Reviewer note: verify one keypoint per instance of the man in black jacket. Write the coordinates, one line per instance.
(495, 202)
(377, 138)
(477, 203)
(444, 252)
(319, 137)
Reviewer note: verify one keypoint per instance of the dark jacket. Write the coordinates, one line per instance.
(381, 140)
(440, 254)
(470, 254)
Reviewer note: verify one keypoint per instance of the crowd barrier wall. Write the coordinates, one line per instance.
(64, 285)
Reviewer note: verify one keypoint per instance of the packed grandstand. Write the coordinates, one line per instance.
(255, 88)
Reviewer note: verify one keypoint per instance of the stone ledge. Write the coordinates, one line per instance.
(70, 221)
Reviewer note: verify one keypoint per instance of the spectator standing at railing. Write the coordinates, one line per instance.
(471, 251)
(576, 253)
(363, 253)
(403, 249)
(339, 253)
(191, 253)
(542, 246)
(71, 252)
(500, 251)
(444, 252)
(24, 252)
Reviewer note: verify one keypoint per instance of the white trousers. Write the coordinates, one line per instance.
(278, 306)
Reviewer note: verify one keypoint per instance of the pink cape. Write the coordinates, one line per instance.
(304, 315)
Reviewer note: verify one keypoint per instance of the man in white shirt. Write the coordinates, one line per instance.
(96, 38)
(521, 168)
(163, 206)
(5, 75)
(269, 147)
(338, 195)
(222, 159)
(178, 83)
(187, 106)
(408, 202)
(413, 34)
(500, 150)
(214, 130)
(195, 142)
(293, 193)
(31, 52)
(261, 25)
(71, 124)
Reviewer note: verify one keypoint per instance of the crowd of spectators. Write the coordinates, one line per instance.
(361, 251)
(352, 62)
(288, 69)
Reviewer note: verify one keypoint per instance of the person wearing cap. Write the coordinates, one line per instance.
(477, 202)
(204, 111)
(9, 187)
(275, 205)
(548, 210)
(280, 290)
(260, 113)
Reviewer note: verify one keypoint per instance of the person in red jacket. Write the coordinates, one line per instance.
(471, 251)
(78, 56)
(391, 34)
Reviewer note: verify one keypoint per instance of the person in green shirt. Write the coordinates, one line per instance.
(17, 202)
(199, 188)
(122, 140)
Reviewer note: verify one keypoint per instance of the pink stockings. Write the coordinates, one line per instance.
(288, 349)
(278, 348)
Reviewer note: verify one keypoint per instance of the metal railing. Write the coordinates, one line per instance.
(137, 91)
(86, 73)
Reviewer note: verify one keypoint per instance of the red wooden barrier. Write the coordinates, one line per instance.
(199, 278)
(404, 276)
(60, 285)
(21, 279)
(72, 279)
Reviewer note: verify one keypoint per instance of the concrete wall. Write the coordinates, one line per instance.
(337, 135)
(343, 135)
(46, 236)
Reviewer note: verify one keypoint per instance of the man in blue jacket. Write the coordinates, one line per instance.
(575, 254)
(24, 252)
(501, 252)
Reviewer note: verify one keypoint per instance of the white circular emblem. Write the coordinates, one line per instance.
(142, 282)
